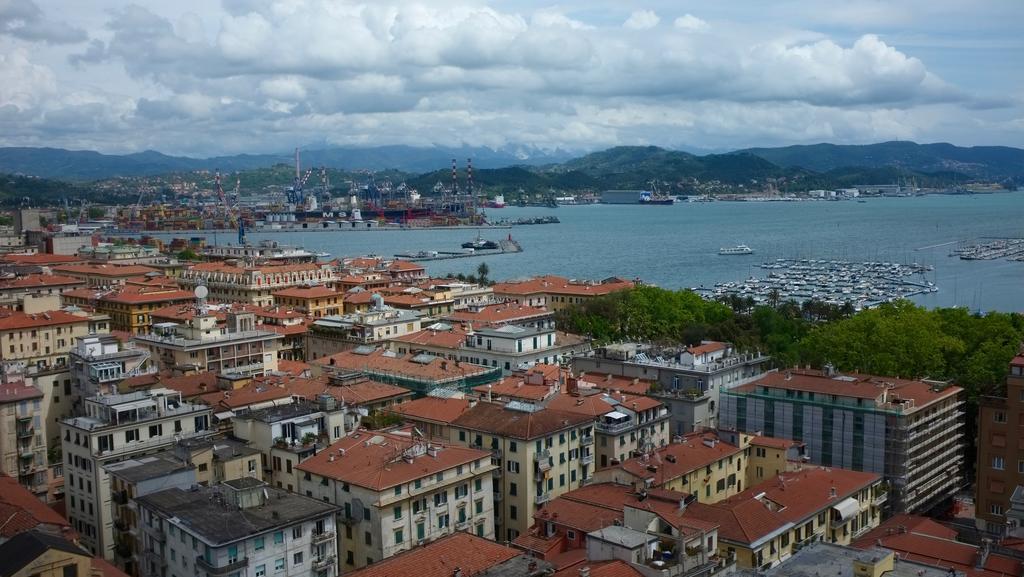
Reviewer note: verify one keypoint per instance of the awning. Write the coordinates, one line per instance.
(616, 415)
(225, 415)
(847, 508)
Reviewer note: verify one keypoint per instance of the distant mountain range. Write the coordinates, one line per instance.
(85, 165)
(510, 170)
(984, 162)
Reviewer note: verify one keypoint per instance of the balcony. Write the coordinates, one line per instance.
(121, 525)
(880, 498)
(26, 432)
(498, 473)
(586, 440)
(349, 520)
(543, 497)
(322, 537)
(120, 497)
(323, 562)
(160, 535)
(210, 569)
(498, 496)
(497, 454)
(543, 460)
(586, 458)
(838, 523)
(25, 452)
(615, 428)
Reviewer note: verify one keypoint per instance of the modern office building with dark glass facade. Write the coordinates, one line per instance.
(909, 431)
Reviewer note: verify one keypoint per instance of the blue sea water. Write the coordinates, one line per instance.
(677, 246)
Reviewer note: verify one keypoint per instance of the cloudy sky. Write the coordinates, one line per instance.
(204, 77)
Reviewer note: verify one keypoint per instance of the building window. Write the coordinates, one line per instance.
(297, 532)
(398, 537)
(997, 463)
(398, 512)
(279, 537)
(258, 543)
(999, 416)
(279, 564)
(297, 558)
(995, 509)
(570, 535)
(261, 570)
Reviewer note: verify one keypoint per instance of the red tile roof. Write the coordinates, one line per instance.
(794, 496)
(452, 339)
(433, 409)
(191, 385)
(599, 404)
(17, 391)
(460, 550)
(516, 387)
(437, 370)
(498, 314)
(14, 320)
(923, 540)
(708, 347)
(39, 259)
(610, 382)
(614, 568)
(295, 368)
(853, 386)
(307, 292)
(552, 284)
(774, 442)
(107, 270)
(39, 280)
(674, 460)
(495, 419)
(21, 511)
(374, 460)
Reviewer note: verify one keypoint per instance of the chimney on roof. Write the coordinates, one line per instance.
(584, 571)
(832, 492)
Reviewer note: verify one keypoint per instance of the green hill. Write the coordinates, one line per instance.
(985, 162)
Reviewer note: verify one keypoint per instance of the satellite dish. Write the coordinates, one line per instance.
(201, 292)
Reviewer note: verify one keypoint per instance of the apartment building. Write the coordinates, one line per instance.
(555, 292)
(315, 301)
(910, 431)
(40, 334)
(1000, 466)
(689, 380)
(200, 344)
(218, 459)
(14, 290)
(114, 428)
(398, 491)
(103, 275)
(133, 478)
(241, 528)
(420, 373)
(36, 553)
(766, 523)
(289, 434)
(128, 306)
(22, 438)
(624, 425)
(99, 363)
(254, 284)
(541, 454)
(334, 334)
(699, 464)
(509, 347)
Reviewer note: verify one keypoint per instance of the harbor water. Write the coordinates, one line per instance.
(677, 246)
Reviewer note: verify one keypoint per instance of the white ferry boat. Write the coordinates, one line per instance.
(738, 249)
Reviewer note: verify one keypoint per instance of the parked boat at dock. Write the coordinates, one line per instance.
(736, 250)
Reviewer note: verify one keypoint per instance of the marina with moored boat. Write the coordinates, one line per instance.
(859, 284)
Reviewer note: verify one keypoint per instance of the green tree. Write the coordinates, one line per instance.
(188, 254)
(481, 273)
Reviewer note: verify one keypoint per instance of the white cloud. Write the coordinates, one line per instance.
(690, 22)
(264, 75)
(642, 20)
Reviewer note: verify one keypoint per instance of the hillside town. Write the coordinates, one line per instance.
(264, 410)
